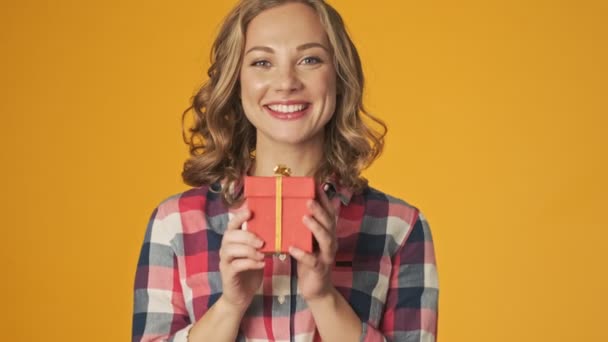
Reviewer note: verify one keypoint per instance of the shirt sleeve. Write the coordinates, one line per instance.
(411, 310)
(159, 310)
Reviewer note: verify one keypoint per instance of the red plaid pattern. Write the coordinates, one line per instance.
(385, 268)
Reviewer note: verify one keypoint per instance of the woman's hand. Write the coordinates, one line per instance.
(314, 270)
(241, 264)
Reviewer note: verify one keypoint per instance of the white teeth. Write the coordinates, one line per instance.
(287, 108)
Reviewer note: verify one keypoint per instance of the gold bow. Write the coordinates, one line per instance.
(279, 171)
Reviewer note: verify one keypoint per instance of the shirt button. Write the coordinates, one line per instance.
(282, 257)
(281, 299)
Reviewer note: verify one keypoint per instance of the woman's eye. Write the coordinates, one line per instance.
(261, 63)
(311, 60)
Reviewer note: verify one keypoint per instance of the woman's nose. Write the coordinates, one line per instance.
(287, 80)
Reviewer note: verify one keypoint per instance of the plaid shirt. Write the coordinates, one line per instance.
(385, 268)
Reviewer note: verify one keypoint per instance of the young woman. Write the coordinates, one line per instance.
(285, 87)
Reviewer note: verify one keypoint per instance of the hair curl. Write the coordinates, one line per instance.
(222, 140)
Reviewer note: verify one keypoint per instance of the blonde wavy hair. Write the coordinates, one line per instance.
(221, 139)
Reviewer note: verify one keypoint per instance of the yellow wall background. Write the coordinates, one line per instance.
(497, 116)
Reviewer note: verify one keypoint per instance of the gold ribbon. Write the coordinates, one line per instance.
(278, 207)
(280, 171)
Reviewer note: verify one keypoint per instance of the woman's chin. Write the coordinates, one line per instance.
(286, 138)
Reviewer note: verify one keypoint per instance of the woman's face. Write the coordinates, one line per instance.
(288, 80)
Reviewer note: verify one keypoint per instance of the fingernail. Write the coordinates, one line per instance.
(260, 255)
(259, 243)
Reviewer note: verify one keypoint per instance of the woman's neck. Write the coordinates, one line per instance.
(303, 159)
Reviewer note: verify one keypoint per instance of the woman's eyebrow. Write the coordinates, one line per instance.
(311, 45)
(299, 48)
(260, 48)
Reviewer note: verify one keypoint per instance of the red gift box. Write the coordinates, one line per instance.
(283, 228)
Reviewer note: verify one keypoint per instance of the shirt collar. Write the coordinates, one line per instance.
(332, 188)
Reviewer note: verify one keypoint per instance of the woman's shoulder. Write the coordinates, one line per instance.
(380, 203)
(391, 215)
(188, 212)
(191, 199)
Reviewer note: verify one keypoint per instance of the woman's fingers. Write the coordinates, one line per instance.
(241, 265)
(238, 219)
(302, 257)
(232, 251)
(326, 203)
(236, 258)
(242, 237)
(322, 224)
(239, 250)
(234, 234)
(320, 214)
(323, 237)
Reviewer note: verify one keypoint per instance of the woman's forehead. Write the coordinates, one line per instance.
(292, 24)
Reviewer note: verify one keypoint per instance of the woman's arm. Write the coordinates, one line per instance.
(411, 309)
(241, 267)
(159, 306)
(220, 323)
(159, 310)
(335, 318)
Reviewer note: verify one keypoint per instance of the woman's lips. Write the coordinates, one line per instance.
(292, 115)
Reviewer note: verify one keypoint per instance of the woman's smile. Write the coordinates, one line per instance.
(288, 110)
